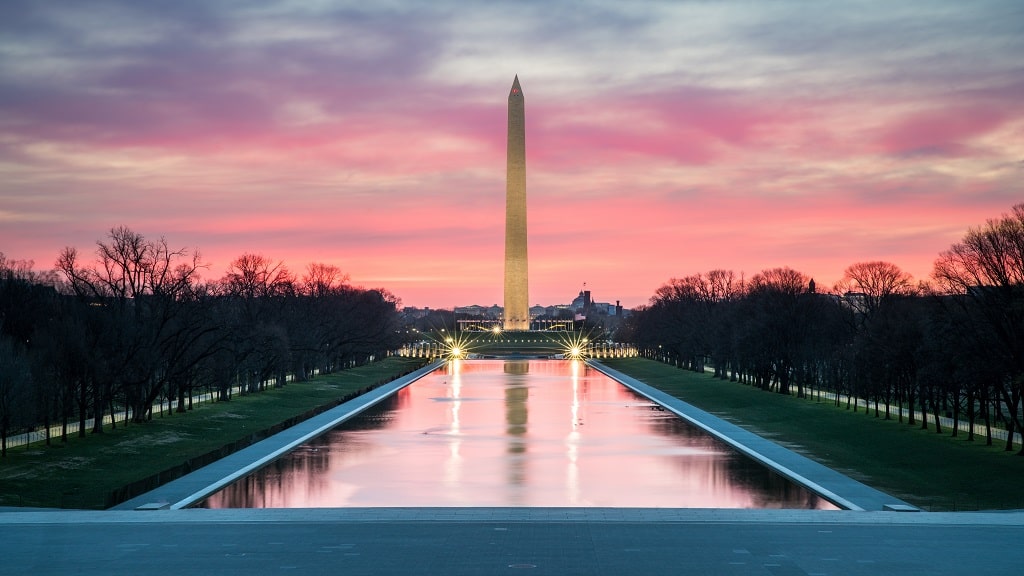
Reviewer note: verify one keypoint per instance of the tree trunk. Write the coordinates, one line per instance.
(46, 424)
(937, 411)
(924, 411)
(911, 410)
(97, 413)
(988, 420)
(83, 410)
(784, 381)
(1009, 436)
(899, 405)
(956, 411)
(971, 413)
(1012, 400)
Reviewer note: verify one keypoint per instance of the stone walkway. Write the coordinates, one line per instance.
(506, 541)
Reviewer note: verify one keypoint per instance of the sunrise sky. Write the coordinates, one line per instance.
(663, 138)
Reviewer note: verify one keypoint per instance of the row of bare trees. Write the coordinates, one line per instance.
(137, 324)
(953, 346)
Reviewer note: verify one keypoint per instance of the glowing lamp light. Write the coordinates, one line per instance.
(574, 346)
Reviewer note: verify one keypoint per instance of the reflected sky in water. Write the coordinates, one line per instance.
(540, 433)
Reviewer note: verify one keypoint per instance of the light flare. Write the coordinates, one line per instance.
(575, 346)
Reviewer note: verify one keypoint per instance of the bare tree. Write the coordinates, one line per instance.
(256, 276)
(15, 390)
(886, 332)
(783, 280)
(259, 291)
(323, 279)
(778, 325)
(983, 274)
(140, 288)
(875, 282)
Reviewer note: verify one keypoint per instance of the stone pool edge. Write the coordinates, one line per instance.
(831, 485)
(191, 488)
(827, 483)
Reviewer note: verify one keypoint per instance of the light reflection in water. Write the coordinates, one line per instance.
(515, 433)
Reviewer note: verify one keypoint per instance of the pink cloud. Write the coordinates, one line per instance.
(688, 127)
(308, 149)
(943, 132)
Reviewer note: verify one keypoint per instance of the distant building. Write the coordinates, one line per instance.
(583, 306)
(475, 316)
(473, 310)
(856, 301)
(412, 312)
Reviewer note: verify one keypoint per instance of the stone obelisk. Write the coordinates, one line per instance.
(517, 308)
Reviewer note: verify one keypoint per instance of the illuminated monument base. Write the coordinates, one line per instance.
(478, 343)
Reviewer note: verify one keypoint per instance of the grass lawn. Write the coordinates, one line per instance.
(86, 471)
(929, 470)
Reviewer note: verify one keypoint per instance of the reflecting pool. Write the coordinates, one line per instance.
(540, 433)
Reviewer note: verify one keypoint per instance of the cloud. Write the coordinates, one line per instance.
(941, 132)
(663, 138)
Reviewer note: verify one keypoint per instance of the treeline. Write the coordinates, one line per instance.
(953, 346)
(137, 324)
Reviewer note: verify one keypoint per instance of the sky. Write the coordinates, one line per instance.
(663, 139)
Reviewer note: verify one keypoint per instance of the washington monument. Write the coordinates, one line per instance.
(517, 308)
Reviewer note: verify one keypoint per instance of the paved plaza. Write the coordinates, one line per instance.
(482, 541)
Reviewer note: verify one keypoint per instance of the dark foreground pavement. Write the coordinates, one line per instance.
(481, 541)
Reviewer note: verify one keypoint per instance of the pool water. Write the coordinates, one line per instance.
(543, 433)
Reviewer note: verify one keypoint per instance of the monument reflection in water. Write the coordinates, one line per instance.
(543, 433)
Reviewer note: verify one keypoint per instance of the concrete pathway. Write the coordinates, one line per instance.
(508, 541)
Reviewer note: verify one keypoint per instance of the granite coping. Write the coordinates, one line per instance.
(197, 485)
(835, 487)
